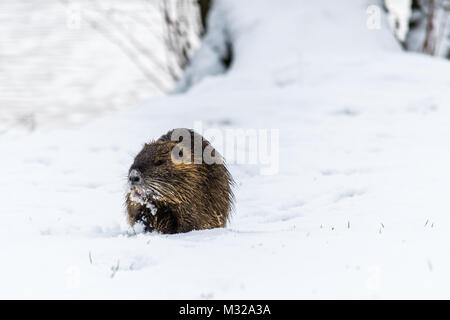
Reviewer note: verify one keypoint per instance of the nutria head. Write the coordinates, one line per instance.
(173, 189)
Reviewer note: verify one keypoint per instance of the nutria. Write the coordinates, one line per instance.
(174, 186)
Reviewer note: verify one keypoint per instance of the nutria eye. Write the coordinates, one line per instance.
(159, 162)
(180, 153)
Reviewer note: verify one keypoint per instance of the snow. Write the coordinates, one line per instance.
(144, 202)
(399, 14)
(207, 60)
(358, 209)
(57, 69)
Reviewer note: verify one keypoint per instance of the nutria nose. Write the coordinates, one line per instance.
(134, 177)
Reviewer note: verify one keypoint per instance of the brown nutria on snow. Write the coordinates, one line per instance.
(179, 183)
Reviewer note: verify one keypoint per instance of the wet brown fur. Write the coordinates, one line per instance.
(189, 196)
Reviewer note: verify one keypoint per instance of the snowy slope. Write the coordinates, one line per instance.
(359, 208)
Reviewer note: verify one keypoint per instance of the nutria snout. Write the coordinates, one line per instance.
(179, 183)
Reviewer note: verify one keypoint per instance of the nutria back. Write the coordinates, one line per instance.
(179, 183)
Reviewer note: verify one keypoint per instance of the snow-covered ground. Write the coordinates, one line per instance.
(359, 208)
